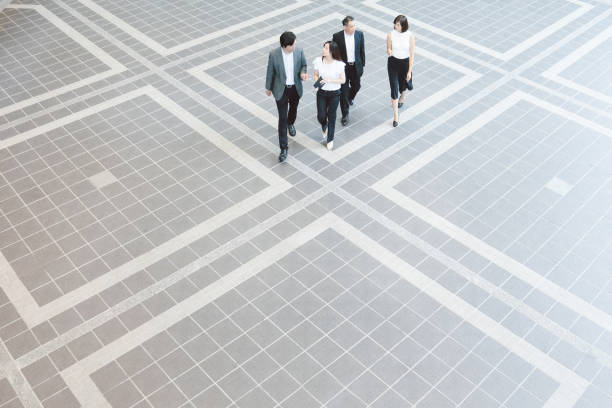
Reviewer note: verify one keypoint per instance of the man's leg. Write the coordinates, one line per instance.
(294, 100)
(355, 84)
(281, 105)
(344, 94)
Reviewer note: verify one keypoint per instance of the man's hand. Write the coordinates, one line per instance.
(268, 92)
(304, 76)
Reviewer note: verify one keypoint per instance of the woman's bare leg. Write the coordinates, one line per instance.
(395, 110)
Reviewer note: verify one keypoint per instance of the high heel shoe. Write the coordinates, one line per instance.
(330, 145)
(400, 104)
(395, 123)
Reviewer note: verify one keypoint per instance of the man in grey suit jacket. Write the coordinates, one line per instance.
(286, 71)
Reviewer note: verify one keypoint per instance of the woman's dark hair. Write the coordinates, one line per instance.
(334, 50)
(403, 22)
(287, 38)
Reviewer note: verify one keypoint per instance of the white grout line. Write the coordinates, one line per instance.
(313, 145)
(504, 56)
(162, 50)
(571, 386)
(78, 376)
(23, 300)
(10, 370)
(115, 66)
(553, 73)
(386, 187)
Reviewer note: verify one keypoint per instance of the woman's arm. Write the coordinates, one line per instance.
(411, 60)
(389, 47)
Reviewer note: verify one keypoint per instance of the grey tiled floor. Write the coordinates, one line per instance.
(153, 253)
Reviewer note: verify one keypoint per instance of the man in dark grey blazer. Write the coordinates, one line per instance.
(286, 71)
(352, 48)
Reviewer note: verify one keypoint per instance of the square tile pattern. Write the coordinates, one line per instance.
(38, 57)
(330, 330)
(61, 231)
(172, 23)
(154, 253)
(500, 184)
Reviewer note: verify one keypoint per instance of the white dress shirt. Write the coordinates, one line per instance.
(349, 40)
(288, 62)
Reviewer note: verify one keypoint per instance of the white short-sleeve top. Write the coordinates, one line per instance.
(329, 71)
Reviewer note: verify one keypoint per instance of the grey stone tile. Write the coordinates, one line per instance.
(280, 385)
(411, 387)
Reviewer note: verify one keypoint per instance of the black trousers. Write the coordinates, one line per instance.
(349, 88)
(327, 106)
(287, 112)
(397, 70)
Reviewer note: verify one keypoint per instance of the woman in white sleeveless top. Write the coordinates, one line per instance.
(400, 47)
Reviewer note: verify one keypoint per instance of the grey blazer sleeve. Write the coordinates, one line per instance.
(303, 64)
(270, 72)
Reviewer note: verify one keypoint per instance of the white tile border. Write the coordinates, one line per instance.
(115, 66)
(504, 56)
(346, 149)
(21, 298)
(554, 72)
(386, 187)
(162, 50)
(78, 376)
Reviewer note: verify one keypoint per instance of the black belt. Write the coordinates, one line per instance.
(289, 86)
(351, 63)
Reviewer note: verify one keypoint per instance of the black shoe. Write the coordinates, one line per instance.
(344, 120)
(351, 102)
(400, 104)
(283, 155)
(395, 123)
(291, 130)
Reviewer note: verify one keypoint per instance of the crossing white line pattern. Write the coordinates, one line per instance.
(468, 76)
(34, 314)
(78, 376)
(386, 186)
(504, 56)
(165, 51)
(115, 66)
(554, 72)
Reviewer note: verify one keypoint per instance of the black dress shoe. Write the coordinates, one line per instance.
(291, 130)
(351, 102)
(283, 155)
(344, 120)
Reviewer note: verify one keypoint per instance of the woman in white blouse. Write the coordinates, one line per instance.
(328, 76)
(400, 47)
